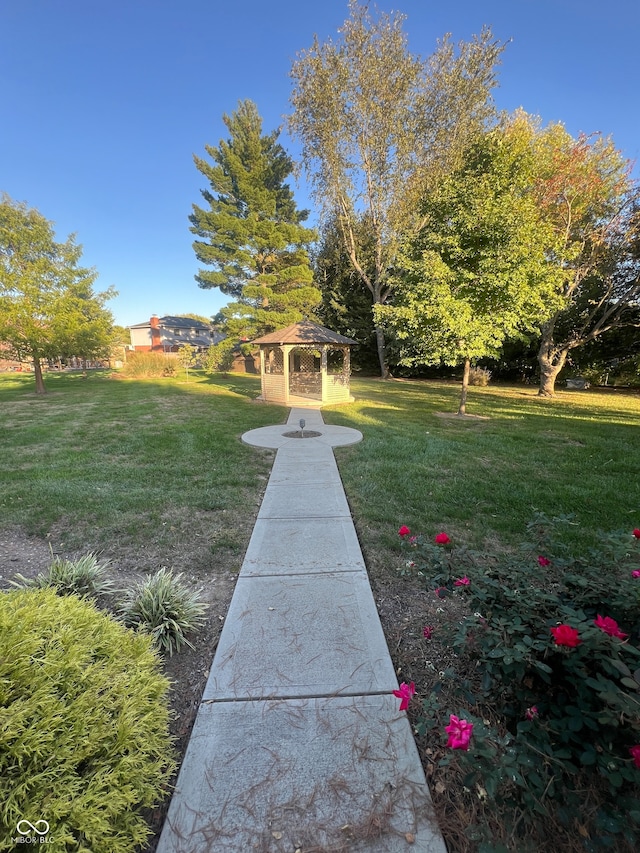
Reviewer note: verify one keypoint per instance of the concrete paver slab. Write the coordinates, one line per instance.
(304, 468)
(326, 773)
(295, 500)
(316, 635)
(294, 546)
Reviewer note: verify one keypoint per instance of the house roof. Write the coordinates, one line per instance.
(175, 322)
(304, 332)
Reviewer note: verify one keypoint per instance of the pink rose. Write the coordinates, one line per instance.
(543, 561)
(531, 713)
(405, 694)
(442, 539)
(427, 632)
(635, 573)
(459, 732)
(609, 626)
(462, 581)
(635, 753)
(565, 635)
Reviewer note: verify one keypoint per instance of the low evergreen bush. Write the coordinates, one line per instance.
(165, 607)
(84, 742)
(543, 704)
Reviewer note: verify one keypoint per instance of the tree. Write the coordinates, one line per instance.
(251, 233)
(477, 271)
(376, 123)
(585, 191)
(47, 305)
(187, 357)
(346, 305)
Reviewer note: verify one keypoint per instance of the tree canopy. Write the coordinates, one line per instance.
(476, 272)
(48, 308)
(250, 233)
(585, 192)
(376, 123)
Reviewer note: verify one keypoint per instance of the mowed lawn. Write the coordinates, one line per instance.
(117, 456)
(482, 479)
(103, 459)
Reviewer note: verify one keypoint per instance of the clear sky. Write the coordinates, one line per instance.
(104, 102)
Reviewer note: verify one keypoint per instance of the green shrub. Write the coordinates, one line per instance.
(165, 607)
(83, 577)
(556, 713)
(219, 357)
(84, 741)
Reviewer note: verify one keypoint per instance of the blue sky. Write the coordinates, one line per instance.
(104, 102)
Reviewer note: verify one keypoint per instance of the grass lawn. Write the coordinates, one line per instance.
(482, 479)
(152, 473)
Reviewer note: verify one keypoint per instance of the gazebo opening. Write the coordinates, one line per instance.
(305, 362)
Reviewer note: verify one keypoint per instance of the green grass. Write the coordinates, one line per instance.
(482, 480)
(124, 457)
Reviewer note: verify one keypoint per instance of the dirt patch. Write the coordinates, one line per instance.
(450, 416)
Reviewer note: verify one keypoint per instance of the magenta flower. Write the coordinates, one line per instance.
(405, 693)
(413, 540)
(404, 531)
(427, 632)
(565, 635)
(442, 539)
(462, 581)
(609, 626)
(531, 713)
(543, 561)
(459, 732)
(636, 532)
(635, 754)
(635, 573)
(441, 592)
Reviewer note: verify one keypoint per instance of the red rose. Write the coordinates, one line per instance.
(609, 626)
(404, 531)
(565, 635)
(442, 539)
(543, 561)
(636, 532)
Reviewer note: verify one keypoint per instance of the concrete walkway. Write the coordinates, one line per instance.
(298, 745)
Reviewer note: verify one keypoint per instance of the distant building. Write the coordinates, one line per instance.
(168, 334)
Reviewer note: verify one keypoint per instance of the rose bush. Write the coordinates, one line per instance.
(548, 680)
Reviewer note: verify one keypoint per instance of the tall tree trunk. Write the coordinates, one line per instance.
(384, 368)
(551, 360)
(37, 370)
(462, 408)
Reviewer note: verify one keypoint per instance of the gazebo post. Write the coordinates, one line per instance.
(262, 375)
(323, 373)
(286, 349)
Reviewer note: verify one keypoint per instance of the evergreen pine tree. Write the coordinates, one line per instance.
(251, 234)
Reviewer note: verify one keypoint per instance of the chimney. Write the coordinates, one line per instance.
(156, 343)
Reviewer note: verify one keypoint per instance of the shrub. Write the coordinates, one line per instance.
(84, 741)
(479, 376)
(83, 577)
(165, 607)
(142, 365)
(219, 357)
(549, 675)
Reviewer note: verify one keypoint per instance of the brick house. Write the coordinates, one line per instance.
(168, 334)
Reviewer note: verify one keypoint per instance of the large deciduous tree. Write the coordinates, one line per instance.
(376, 123)
(477, 271)
(47, 305)
(584, 189)
(250, 233)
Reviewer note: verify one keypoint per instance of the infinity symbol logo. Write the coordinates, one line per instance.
(33, 827)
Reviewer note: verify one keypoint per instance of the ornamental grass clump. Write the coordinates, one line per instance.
(84, 741)
(164, 607)
(84, 577)
(548, 675)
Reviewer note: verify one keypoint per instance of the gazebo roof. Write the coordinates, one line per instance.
(305, 332)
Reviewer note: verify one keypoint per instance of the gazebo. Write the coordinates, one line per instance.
(305, 364)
